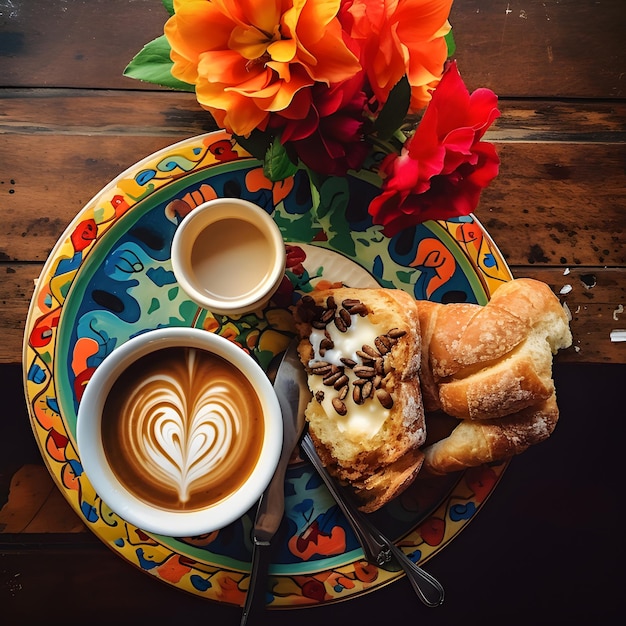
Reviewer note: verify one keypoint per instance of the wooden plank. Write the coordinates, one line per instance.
(47, 179)
(75, 43)
(542, 48)
(548, 151)
(597, 302)
(532, 209)
(535, 48)
(558, 204)
(96, 112)
(16, 290)
(559, 121)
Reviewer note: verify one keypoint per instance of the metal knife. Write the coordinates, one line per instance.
(293, 395)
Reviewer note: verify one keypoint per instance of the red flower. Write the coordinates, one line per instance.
(330, 139)
(444, 167)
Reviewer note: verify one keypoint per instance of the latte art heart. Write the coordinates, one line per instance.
(186, 428)
(182, 441)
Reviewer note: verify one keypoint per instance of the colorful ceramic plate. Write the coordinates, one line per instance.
(109, 278)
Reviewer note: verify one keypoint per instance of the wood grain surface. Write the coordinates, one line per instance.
(548, 548)
(557, 205)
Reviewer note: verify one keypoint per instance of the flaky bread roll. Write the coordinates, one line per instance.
(484, 362)
(361, 348)
(473, 443)
(427, 312)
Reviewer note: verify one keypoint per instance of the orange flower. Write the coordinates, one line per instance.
(248, 58)
(401, 37)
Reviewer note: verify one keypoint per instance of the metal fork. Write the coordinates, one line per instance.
(376, 547)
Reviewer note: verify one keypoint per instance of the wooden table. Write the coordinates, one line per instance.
(548, 546)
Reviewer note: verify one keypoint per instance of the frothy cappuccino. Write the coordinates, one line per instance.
(182, 428)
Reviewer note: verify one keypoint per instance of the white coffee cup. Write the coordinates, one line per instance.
(228, 255)
(179, 431)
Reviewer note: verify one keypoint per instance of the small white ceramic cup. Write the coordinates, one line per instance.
(228, 255)
(177, 447)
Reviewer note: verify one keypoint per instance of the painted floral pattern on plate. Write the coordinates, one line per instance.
(109, 278)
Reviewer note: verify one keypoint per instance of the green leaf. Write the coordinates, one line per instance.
(277, 164)
(450, 43)
(331, 196)
(266, 147)
(153, 64)
(394, 110)
(169, 6)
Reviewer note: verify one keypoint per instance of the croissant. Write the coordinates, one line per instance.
(491, 367)
(483, 362)
(473, 443)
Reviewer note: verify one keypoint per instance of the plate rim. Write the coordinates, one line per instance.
(46, 270)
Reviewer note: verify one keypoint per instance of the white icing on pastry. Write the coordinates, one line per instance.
(360, 420)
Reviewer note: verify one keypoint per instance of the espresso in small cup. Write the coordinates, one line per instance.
(179, 431)
(228, 255)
